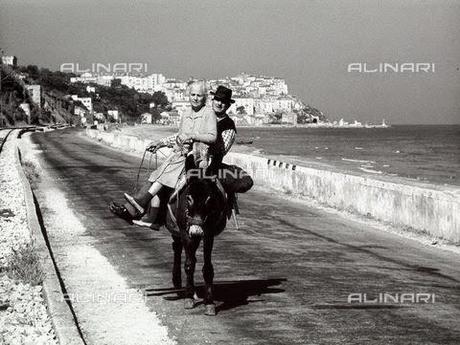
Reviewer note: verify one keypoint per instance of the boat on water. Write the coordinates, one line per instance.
(244, 142)
(383, 125)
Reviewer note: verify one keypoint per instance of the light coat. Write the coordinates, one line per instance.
(202, 125)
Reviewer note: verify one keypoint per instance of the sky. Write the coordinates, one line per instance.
(309, 43)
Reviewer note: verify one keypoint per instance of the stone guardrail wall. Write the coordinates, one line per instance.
(431, 210)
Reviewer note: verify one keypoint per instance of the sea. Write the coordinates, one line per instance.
(426, 153)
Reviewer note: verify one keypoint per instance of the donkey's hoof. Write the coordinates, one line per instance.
(210, 310)
(189, 303)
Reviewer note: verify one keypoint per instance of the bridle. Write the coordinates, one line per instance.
(190, 220)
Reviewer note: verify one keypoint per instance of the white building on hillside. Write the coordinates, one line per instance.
(84, 78)
(26, 108)
(99, 116)
(35, 93)
(146, 118)
(114, 114)
(105, 80)
(10, 60)
(283, 104)
(175, 95)
(175, 90)
(79, 111)
(87, 102)
(290, 118)
(246, 103)
(182, 107)
(148, 84)
(279, 87)
(263, 106)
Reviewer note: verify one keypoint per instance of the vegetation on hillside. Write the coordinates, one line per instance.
(308, 114)
(129, 102)
(12, 96)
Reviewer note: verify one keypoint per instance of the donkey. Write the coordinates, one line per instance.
(199, 212)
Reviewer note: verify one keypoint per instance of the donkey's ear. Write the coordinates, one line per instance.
(190, 162)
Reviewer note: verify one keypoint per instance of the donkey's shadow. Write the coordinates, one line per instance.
(230, 293)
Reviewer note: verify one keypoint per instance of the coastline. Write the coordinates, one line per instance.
(309, 163)
(412, 206)
(155, 132)
(280, 125)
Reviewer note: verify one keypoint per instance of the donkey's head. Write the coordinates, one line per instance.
(203, 201)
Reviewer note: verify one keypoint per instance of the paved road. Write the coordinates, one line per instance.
(282, 279)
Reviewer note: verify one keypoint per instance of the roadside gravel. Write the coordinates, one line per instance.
(23, 315)
(107, 309)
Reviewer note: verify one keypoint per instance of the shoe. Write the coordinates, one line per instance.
(121, 212)
(152, 226)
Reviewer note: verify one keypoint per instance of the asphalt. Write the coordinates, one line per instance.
(283, 278)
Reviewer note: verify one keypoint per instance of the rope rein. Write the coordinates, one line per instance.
(148, 170)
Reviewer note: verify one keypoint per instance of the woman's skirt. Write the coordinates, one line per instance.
(168, 173)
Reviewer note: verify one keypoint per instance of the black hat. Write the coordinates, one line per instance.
(223, 94)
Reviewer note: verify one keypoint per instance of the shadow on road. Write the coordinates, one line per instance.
(231, 293)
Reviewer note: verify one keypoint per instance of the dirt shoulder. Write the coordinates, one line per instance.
(107, 310)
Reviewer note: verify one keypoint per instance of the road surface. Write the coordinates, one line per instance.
(284, 278)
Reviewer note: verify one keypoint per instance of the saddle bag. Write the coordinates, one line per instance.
(234, 179)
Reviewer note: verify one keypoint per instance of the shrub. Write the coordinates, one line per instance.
(25, 265)
(31, 173)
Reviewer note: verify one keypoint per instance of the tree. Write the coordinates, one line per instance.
(160, 99)
(308, 114)
(54, 80)
(275, 118)
(155, 114)
(32, 71)
(115, 83)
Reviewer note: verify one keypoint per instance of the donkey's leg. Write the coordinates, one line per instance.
(208, 275)
(191, 246)
(176, 276)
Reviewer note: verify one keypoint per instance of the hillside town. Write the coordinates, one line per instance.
(259, 100)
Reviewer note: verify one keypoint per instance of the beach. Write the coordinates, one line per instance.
(426, 154)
